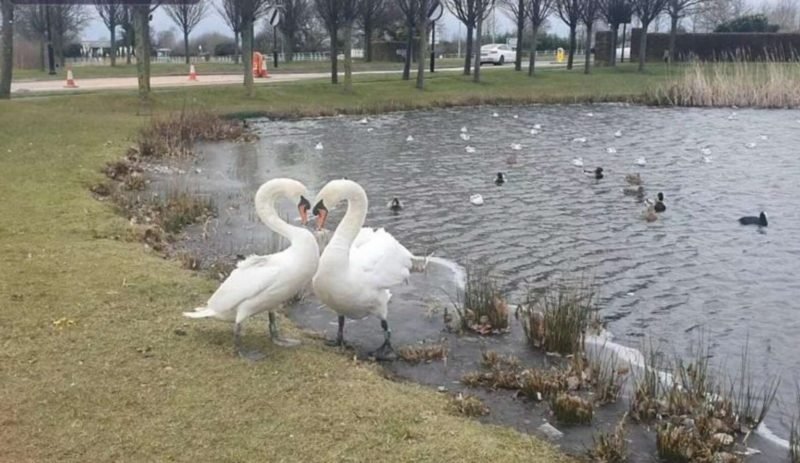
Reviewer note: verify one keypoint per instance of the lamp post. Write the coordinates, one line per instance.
(274, 16)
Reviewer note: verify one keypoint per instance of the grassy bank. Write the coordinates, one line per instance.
(97, 362)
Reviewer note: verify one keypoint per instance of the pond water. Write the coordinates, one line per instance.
(694, 273)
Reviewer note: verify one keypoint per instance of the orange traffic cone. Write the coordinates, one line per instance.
(70, 79)
(192, 73)
(264, 73)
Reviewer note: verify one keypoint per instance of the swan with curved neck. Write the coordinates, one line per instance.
(264, 283)
(359, 265)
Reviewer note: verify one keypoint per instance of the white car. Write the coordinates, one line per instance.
(497, 54)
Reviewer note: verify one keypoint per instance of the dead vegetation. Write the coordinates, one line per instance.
(555, 319)
(572, 409)
(175, 135)
(468, 405)
(610, 447)
(482, 309)
(698, 416)
(424, 352)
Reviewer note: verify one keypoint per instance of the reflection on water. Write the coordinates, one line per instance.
(693, 272)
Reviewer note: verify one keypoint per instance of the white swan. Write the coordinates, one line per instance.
(750, 145)
(534, 132)
(706, 151)
(410, 138)
(359, 265)
(579, 140)
(495, 115)
(264, 283)
(611, 150)
(641, 161)
(476, 199)
(465, 136)
(319, 146)
(464, 129)
(537, 126)
(364, 121)
(516, 146)
(618, 133)
(577, 162)
(469, 149)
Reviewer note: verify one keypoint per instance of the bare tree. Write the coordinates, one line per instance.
(570, 12)
(677, 9)
(590, 11)
(66, 22)
(230, 10)
(423, 14)
(141, 27)
(330, 15)
(349, 11)
(110, 12)
(615, 12)
(410, 10)
(516, 10)
(538, 11)
(293, 20)
(7, 53)
(647, 11)
(187, 14)
(466, 12)
(715, 12)
(784, 13)
(31, 23)
(250, 10)
(370, 14)
(482, 10)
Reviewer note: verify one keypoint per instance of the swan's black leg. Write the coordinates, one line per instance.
(339, 334)
(385, 352)
(237, 345)
(276, 338)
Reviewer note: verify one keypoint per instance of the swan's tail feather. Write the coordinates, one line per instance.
(200, 312)
(420, 264)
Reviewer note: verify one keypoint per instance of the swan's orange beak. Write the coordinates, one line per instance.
(322, 214)
(302, 207)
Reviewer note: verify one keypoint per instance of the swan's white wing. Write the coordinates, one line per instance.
(251, 276)
(381, 259)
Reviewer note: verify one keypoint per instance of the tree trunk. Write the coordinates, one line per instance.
(348, 58)
(334, 56)
(236, 49)
(186, 45)
(520, 32)
(289, 42)
(587, 65)
(42, 53)
(534, 39)
(368, 40)
(409, 43)
(113, 33)
(673, 35)
(622, 48)
(422, 51)
(7, 55)
(468, 50)
(572, 46)
(141, 16)
(129, 41)
(643, 46)
(247, 56)
(612, 58)
(476, 74)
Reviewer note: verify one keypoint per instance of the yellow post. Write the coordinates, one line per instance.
(560, 55)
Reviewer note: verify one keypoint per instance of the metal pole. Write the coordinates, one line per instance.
(622, 53)
(433, 46)
(275, 45)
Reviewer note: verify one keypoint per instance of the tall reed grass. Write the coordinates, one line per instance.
(763, 84)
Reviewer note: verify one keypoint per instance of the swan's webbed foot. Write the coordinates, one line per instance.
(276, 338)
(386, 352)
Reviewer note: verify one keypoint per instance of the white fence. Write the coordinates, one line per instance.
(298, 56)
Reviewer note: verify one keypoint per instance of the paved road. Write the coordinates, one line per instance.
(121, 83)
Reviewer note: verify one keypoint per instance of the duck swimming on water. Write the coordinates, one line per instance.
(395, 205)
(659, 206)
(500, 178)
(761, 220)
(597, 173)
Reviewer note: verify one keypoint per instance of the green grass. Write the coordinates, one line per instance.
(113, 381)
(180, 69)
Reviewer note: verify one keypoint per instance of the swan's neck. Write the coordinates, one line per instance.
(353, 219)
(265, 208)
